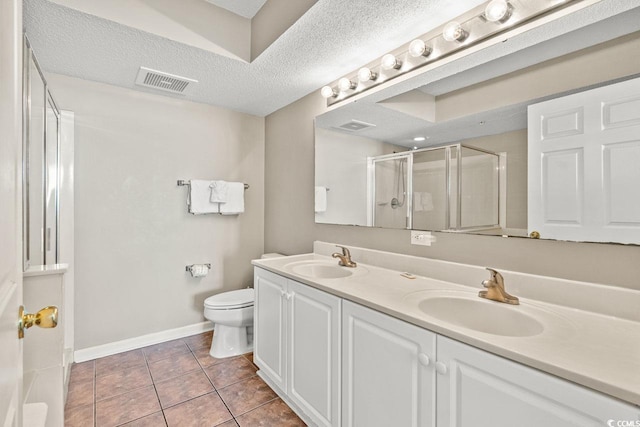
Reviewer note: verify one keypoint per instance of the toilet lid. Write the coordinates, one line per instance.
(232, 299)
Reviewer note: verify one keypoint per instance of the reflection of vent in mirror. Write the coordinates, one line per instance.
(163, 81)
(355, 126)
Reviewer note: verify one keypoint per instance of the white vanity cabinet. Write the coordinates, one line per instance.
(388, 374)
(481, 389)
(297, 344)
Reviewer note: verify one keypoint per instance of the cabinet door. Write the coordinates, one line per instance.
(314, 353)
(481, 389)
(388, 376)
(270, 325)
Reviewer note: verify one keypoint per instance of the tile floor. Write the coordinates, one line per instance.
(175, 383)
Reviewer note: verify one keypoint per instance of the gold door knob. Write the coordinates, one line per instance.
(45, 318)
(534, 235)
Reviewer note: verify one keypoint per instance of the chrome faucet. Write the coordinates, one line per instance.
(495, 289)
(345, 257)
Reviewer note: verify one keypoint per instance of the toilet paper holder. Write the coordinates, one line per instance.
(190, 268)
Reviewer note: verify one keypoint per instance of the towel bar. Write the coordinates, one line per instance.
(182, 182)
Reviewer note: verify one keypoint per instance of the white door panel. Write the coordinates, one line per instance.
(584, 153)
(10, 216)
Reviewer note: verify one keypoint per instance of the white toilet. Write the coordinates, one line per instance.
(232, 315)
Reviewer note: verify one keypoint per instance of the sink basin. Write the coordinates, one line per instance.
(481, 315)
(320, 270)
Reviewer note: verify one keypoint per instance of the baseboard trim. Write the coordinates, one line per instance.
(139, 342)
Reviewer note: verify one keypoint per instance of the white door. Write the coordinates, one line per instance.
(10, 211)
(584, 151)
(270, 306)
(481, 389)
(388, 371)
(314, 353)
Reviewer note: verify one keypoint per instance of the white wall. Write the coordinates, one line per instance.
(133, 235)
(342, 161)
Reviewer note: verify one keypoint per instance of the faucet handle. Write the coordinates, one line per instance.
(496, 277)
(345, 251)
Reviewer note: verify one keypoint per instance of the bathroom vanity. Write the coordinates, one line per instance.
(368, 346)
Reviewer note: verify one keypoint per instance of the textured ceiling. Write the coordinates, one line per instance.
(595, 24)
(333, 38)
(245, 8)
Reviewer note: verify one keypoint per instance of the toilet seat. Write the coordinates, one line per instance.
(231, 300)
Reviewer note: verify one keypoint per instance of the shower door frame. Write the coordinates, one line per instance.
(371, 186)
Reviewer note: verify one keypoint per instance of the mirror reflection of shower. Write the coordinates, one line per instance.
(389, 190)
(453, 187)
(401, 187)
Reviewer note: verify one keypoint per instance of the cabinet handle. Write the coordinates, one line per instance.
(290, 294)
(441, 368)
(282, 293)
(423, 359)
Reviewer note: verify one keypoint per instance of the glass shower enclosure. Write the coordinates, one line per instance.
(448, 188)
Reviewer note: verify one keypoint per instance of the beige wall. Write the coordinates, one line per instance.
(290, 228)
(133, 235)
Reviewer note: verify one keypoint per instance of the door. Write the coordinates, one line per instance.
(481, 389)
(314, 353)
(388, 370)
(11, 211)
(584, 151)
(270, 325)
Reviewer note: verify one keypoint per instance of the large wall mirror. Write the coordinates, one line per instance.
(41, 158)
(450, 151)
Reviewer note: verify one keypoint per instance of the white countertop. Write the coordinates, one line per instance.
(594, 349)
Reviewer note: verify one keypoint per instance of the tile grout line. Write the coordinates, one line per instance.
(214, 387)
(153, 382)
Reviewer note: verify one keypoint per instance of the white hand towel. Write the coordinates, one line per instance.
(321, 199)
(219, 191)
(235, 199)
(198, 200)
(422, 201)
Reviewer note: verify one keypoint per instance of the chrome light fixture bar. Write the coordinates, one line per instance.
(479, 24)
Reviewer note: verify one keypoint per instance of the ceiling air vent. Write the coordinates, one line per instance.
(355, 126)
(163, 81)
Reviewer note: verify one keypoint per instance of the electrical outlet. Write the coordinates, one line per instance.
(424, 238)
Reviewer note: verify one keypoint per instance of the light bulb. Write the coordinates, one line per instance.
(365, 74)
(328, 92)
(454, 32)
(344, 84)
(389, 62)
(498, 11)
(419, 48)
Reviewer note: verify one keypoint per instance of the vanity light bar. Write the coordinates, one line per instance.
(478, 24)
